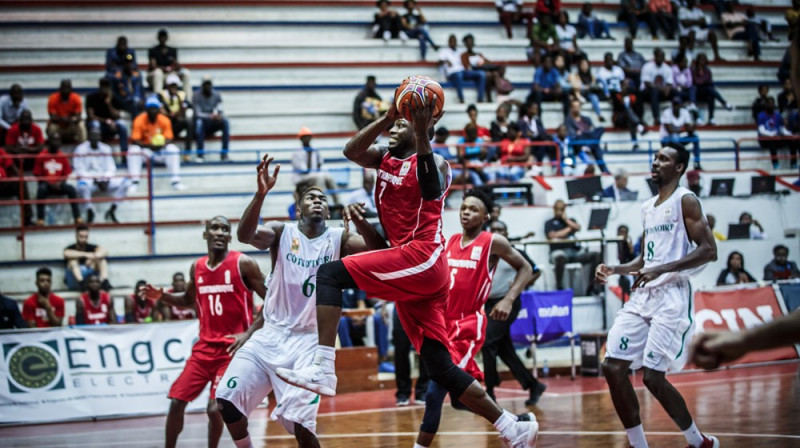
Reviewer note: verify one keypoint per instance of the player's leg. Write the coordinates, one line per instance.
(215, 423)
(434, 399)
(174, 422)
(305, 438)
(188, 386)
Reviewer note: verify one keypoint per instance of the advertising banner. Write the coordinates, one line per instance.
(90, 372)
(546, 314)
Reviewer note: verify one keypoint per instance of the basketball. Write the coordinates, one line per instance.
(421, 87)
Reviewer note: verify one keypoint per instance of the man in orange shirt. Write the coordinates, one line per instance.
(152, 138)
(43, 309)
(65, 108)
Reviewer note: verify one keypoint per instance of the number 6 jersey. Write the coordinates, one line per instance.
(291, 289)
(224, 302)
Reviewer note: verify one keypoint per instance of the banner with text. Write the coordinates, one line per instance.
(88, 372)
(739, 309)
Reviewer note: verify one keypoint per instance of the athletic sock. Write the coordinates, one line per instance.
(325, 355)
(636, 437)
(417, 445)
(243, 443)
(506, 424)
(693, 436)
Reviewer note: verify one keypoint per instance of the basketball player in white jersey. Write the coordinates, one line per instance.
(289, 333)
(653, 330)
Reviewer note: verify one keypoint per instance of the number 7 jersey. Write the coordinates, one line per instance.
(291, 289)
(224, 302)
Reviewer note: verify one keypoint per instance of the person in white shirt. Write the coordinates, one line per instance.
(365, 195)
(756, 230)
(675, 122)
(656, 82)
(567, 39)
(307, 164)
(610, 75)
(453, 70)
(511, 12)
(692, 19)
(97, 172)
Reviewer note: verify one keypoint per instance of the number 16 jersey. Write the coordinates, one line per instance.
(224, 302)
(291, 289)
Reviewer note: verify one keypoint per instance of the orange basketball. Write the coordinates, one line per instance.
(422, 88)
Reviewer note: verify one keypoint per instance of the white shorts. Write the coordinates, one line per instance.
(250, 377)
(654, 328)
(700, 34)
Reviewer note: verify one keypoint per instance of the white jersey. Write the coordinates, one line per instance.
(291, 288)
(665, 237)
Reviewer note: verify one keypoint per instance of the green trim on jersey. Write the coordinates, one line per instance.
(683, 338)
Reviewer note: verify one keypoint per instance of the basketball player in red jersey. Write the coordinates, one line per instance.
(95, 306)
(174, 312)
(221, 286)
(413, 272)
(139, 310)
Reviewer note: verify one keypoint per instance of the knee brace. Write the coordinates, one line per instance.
(228, 411)
(332, 278)
(442, 370)
(434, 399)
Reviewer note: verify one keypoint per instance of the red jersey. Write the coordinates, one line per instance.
(53, 168)
(32, 311)
(224, 303)
(94, 315)
(5, 163)
(181, 313)
(144, 313)
(17, 137)
(470, 276)
(404, 215)
(513, 149)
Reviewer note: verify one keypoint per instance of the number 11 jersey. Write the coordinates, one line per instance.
(291, 289)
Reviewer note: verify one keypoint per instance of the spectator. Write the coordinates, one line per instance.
(682, 76)
(686, 45)
(472, 113)
(139, 309)
(780, 268)
(771, 129)
(11, 106)
(503, 86)
(634, 11)
(610, 76)
(756, 230)
(692, 20)
(737, 27)
(439, 143)
(559, 227)
(530, 123)
(787, 103)
(416, 27)
(103, 111)
(65, 108)
(450, 61)
(515, 149)
(547, 85)
(176, 107)
(631, 62)
(97, 172)
(43, 309)
(585, 86)
(562, 140)
(13, 188)
(126, 81)
(764, 27)
(580, 128)
(760, 103)
(366, 194)
(173, 312)
(735, 272)
(627, 111)
(368, 105)
(470, 150)
(152, 138)
(25, 138)
(675, 121)
(543, 41)
(10, 317)
(307, 163)
(712, 222)
(618, 191)
(402, 366)
(550, 8)
(661, 14)
(51, 170)
(117, 56)
(704, 86)
(568, 40)
(94, 307)
(163, 60)
(590, 25)
(657, 83)
(511, 12)
(472, 60)
(208, 119)
(83, 259)
(386, 24)
(499, 127)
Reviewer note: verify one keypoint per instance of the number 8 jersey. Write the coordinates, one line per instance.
(291, 289)
(224, 302)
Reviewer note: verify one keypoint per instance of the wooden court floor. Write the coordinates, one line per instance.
(749, 407)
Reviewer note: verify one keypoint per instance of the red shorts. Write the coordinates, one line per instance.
(415, 277)
(206, 365)
(467, 336)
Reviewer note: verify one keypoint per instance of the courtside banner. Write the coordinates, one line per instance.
(92, 371)
(738, 309)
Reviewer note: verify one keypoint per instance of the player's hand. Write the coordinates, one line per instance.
(238, 341)
(354, 212)
(423, 113)
(265, 181)
(391, 112)
(710, 349)
(150, 292)
(644, 276)
(501, 310)
(601, 273)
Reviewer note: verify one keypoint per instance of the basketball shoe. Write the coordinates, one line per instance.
(708, 442)
(316, 377)
(525, 434)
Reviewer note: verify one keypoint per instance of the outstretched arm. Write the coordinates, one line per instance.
(179, 299)
(431, 168)
(360, 148)
(248, 231)
(502, 248)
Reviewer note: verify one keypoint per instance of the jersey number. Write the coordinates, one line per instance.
(453, 273)
(308, 286)
(215, 305)
(383, 188)
(651, 246)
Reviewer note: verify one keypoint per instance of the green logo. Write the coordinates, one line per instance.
(651, 246)
(651, 355)
(314, 401)
(623, 343)
(232, 382)
(309, 286)
(33, 367)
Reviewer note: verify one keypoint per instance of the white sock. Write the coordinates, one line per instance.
(324, 355)
(693, 435)
(417, 445)
(636, 437)
(243, 443)
(506, 424)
